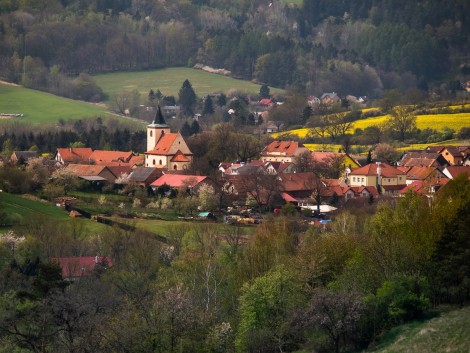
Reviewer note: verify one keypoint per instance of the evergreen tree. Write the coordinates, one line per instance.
(264, 91)
(208, 106)
(195, 128)
(187, 97)
(185, 129)
(151, 96)
(222, 100)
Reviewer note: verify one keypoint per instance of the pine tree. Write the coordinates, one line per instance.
(208, 106)
(194, 128)
(264, 91)
(185, 129)
(187, 97)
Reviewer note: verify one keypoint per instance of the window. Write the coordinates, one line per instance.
(151, 133)
(160, 162)
(175, 167)
(153, 162)
(354, 178)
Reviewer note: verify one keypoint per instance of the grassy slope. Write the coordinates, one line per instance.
(169, 82)
(43, 108)
(448, 333)
(28, 208)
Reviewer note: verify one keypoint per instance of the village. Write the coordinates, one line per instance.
(315, 183)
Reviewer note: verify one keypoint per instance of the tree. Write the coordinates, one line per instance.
(208, 106)
(264, 91)
(265, 307)
(334, 312)
(402, 121)
(195, 128)
(187, 97)
(385, 153)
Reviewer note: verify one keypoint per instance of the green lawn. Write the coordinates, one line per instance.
(449, 332)
(44, 108)
(170, 80)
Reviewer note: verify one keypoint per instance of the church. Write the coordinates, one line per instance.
(166, 150)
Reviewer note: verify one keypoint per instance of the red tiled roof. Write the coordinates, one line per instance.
(75, 154)
(137, 160)
(288, 198)
(370, 189)
(457, 170)
(119, 170)
(178, 180)
(164, 144)
(80, 266)
(100, 156)
(85, 169)
(419, 173)
(180, 157)
(286, 148)
(387, 171)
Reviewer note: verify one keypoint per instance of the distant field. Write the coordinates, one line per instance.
(43, 108)
(431, 121)
(170, 80)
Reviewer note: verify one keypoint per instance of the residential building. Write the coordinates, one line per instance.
(282, 151)
(387, 179)
(73, 155)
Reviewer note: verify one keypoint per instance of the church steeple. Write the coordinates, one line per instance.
(156, 130)
(159, 119)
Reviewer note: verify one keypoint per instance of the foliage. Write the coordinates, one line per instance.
(187, 98)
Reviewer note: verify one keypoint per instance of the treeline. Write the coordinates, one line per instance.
(81, 134)
(287, 287)
(355, 48)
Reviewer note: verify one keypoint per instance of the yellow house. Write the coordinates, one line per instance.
(387, 179)
(282, 151)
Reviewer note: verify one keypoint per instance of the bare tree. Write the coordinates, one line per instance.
(335, 313)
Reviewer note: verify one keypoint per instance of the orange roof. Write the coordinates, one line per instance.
(419, 173)
(178, 180)
(457, 170)
(286, 148)
(387, 170)
(137, 160)
(100, 156)
(85, 169)
(164, 144)
(74, 154)
(180, 157)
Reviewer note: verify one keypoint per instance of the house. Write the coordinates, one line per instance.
(272, 127)
(110, 157)
(313, 101)
(76, 267)
(422, 159)
(279, 167)
(344, 159)
(452, 155)
(425, 187)
(144, 176)
(329, 98)
(20, 157)
(282, 151)
(453, 172)
(387, 179)
(165, 149)
(73, 155)
(92, 173)
(416, 173)
(189, 183)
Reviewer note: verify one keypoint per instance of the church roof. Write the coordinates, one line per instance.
(158, 120)
(164, 144)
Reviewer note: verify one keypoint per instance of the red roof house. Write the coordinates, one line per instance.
(76, 267)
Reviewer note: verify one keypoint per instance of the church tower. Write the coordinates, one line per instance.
(156, 130)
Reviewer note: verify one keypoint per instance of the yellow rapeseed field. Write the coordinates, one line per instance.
(431, 121)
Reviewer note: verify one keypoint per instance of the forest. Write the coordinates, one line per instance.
(359, 48)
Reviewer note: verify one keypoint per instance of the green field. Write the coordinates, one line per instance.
(44, 108)
(22, 209)
(170, 80)
(449, 332)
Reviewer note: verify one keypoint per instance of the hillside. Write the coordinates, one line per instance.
(44, 108)
(448, 333)
(169, 82)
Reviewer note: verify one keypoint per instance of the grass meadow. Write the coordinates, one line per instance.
(449, 332)
(170, 80)
(44, 108)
